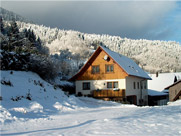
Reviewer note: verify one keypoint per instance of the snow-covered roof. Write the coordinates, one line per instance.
(173, 84)
(162, 81)
(129, 66)
(165, 91)
(156, 93)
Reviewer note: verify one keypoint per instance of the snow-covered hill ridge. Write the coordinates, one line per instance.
(9, 16)
(152, 56)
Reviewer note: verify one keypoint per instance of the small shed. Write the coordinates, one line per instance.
(157, 98)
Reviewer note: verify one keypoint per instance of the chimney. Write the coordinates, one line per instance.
(175, 79)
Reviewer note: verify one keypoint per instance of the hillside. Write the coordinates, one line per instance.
(26, 95)
(31, 106)
(9, 16)
(152, 56)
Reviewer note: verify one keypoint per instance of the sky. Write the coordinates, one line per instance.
(152, 20)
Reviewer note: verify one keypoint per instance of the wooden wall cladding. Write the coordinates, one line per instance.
(118, 72)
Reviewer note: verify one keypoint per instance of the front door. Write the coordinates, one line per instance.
(132, 99)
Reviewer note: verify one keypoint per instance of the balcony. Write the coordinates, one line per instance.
(109, 93)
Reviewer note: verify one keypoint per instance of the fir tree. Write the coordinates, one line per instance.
(14, 30)
(2, 25)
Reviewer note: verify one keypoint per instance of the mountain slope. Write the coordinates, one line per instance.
(9, 16)
(150, 55)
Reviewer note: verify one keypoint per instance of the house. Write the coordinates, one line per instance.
(157, 94)
(110, 76)
(174, 91)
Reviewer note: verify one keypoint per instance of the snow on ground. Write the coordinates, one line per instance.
(51, 112)
(26, 95)
(178, 102)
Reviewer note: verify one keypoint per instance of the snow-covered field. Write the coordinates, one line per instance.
(51, 112)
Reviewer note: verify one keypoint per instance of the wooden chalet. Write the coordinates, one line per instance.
(110, 76)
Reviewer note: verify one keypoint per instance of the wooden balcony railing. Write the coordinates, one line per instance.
(109, 93)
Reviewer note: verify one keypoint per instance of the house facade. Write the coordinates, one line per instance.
(111, 76)
(174, 91)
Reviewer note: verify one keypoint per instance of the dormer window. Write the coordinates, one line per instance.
(95, 69)
(109, 68)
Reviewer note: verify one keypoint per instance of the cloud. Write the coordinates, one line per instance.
(132, 19)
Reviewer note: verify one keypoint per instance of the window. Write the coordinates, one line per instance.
(134, 85)
(112, 84)
(115, 85)
(109, 85)
(86, 85)
(138, 85)
(141, 84)
(112, 68)
(95, 69)
(109, 68)
(145, 85)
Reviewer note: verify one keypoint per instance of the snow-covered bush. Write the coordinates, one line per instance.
(44, 66)
(24, 51)
(13, 61)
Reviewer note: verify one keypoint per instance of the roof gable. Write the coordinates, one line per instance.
(127, 64)
(88, 63)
